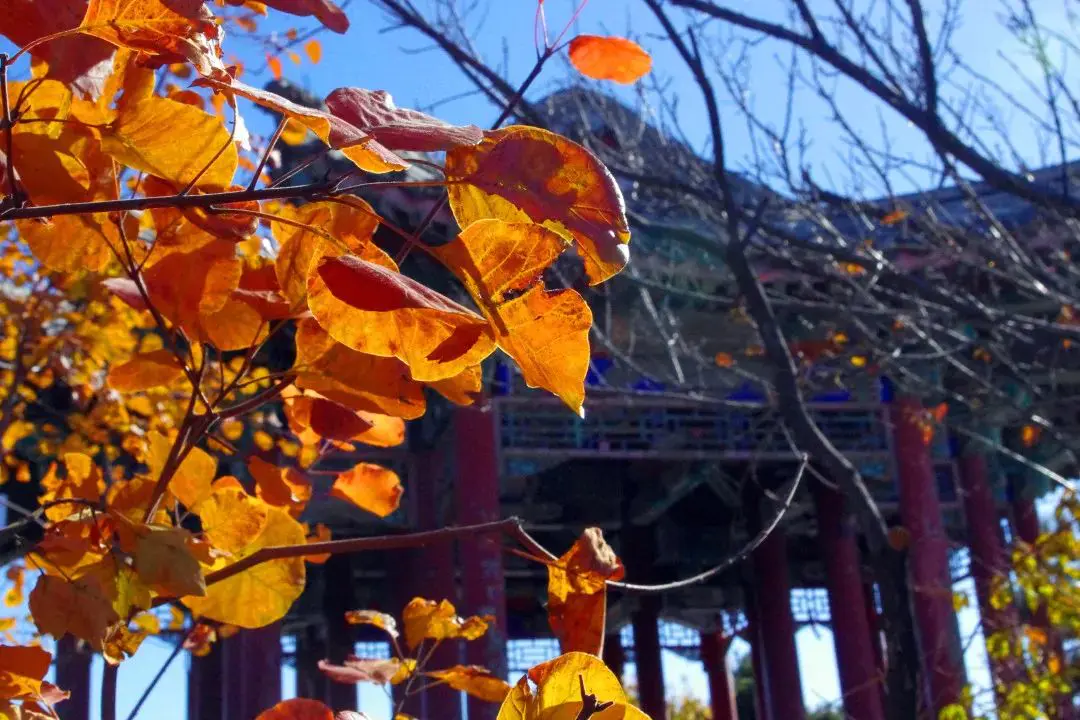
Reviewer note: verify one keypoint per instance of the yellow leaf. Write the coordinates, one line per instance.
(370, 487)
(143, 137)
(384, 622)
(263, 593)
(191, 483)
(83, 481)
(427, 619)
(164, 562)
(577, 592)
(559, 684)
(232, 519)
(474, 680)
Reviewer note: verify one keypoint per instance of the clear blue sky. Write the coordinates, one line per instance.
(402, 63)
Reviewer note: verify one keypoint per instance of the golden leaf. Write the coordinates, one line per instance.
(370, 487)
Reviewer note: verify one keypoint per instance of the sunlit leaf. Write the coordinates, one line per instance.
(473, 680)
(329, 14)
(429, 620)
(523, 173)
(357, 670)
(144, 371)
(261, 594)
(232, 519)
(280, 486)
(164, 561)
(297, 709)
(370, 487)
(384, 622)
(577, 597)
(82, 607)
(375, 310)
(609, 58)
(22, 668)
(559, 683)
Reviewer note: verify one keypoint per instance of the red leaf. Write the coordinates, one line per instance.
(336, 422)
(327, 12)
(374, 112)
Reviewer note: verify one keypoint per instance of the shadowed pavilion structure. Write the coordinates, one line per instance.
(680, 460)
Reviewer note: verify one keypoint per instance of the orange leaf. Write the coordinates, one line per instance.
(144, 371)
(283, 487)
(321, 534)
(1029, 435)
(143, 137)
(82, 607)
(464, 388)
(609, 58)
(370, 487)
(297, 708)
(473, 680)
(22, 668)
(523, 173)
(577, 592)
(166, 30)
(189, 287)
(374, 112)
(78, 61)
(894, 218)
(355, 144)
(313, 50)
(357, 380)
(380, 312)
(82, 481)
(724, 360)
(274, 63)
(336, 422)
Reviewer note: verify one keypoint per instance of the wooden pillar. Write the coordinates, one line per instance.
(762, 711)
(477, 500)
(920, 508)
(714, 647)
(73, 675)
(338, 599)
(877, 639)
(258, 656)
(206, 679)
(433, 572)
(851, 631)
(776, 628)
(647, 656)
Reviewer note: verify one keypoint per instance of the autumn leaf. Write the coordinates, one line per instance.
(81, 607)
(232, 519)
(894, 218)
(297, 709)
(263, 593)
(82, 481)
(724, 360)
(357, 670)
(384, 622)
(524, 173)
(329, 14)
(377, 311)
(559, 686)
(167, 30)
(374, 112)
(144, 371)
(80, 62)
(283, 487)
(192, 481)
(609, 58)
(22, 668)
(356, 145)
(357, 380)
(473, 680)
(313, 49)
(429, 620)
(318, 229)
(189, 288)
(546, 332)
(370, 487)
(143, 137)
(577, 592)
(165, 563)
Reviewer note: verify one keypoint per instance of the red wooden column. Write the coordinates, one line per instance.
(988, 559)
(206, 680)
(852, 635)
(73, 675)
(477, 499)
(714, 647)
(256, 661)
(433, 572)
(920, 509)
(338, 599)
(647, 656)
(776, 629)
(752, 635)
